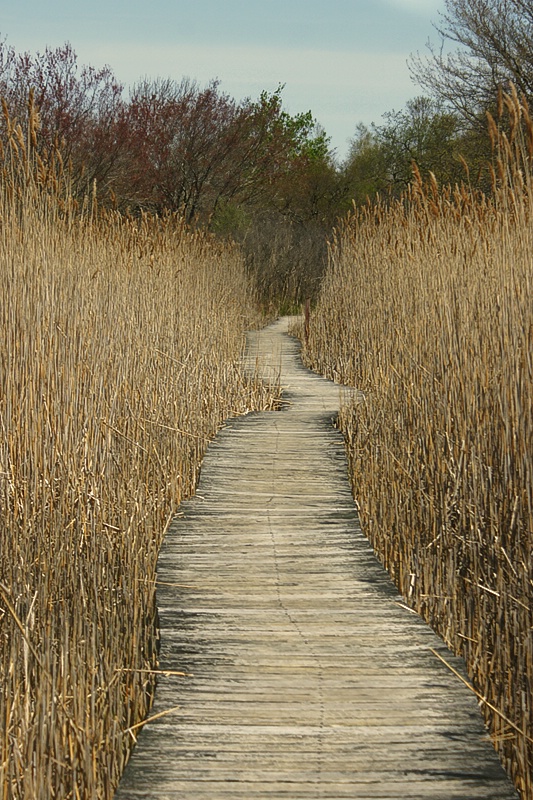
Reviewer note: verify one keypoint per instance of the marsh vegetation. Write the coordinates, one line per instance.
(120, 352)
(427, 309)
(139, 236)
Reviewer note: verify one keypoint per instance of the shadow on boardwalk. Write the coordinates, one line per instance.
(307, 677)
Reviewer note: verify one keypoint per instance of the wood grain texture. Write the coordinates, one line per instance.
(307, 677)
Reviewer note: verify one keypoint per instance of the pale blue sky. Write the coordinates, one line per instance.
(343, 59)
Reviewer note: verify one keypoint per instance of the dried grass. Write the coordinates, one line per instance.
(427, 307)
(120, 355)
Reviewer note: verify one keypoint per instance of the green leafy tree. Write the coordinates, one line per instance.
(365, 169)
(293, 156)
(382, 156)
(422, 133)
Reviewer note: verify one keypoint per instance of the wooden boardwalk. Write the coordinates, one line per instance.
(307, 675)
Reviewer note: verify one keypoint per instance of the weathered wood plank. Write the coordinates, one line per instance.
(307, 677)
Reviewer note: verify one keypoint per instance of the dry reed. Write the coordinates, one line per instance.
(427, 308)
(120, 350)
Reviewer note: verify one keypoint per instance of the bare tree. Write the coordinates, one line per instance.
(494, 41)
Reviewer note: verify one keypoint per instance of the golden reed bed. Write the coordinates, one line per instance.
(120, 346)
(428, 308)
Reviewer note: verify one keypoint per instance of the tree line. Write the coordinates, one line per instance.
(250, 170)
(246, 169)
(170, 145)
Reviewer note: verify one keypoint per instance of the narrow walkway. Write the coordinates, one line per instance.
(308, 677)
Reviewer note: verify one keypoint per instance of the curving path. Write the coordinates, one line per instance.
(307, 676)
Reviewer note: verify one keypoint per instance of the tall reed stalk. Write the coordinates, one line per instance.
(120, 350)
(428, 308)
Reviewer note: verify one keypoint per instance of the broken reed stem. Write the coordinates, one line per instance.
(480, 696)
(158, 672)
(151, 719)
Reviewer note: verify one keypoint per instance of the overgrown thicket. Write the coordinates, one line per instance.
(287, 261)
(120, 355)
(427, 308)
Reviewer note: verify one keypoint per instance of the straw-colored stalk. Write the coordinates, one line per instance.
(427, 308)
(120, 351)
